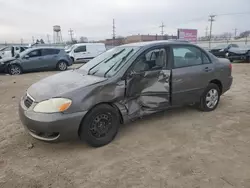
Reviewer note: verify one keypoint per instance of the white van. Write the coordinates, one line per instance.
(85, 51)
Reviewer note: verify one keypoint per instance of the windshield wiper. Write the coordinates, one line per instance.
(106, 60)
(122, 60)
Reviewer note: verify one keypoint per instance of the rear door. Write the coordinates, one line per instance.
(148, 83)
(192, 71)
(50, 57)
(33, 60)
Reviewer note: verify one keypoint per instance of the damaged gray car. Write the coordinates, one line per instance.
(120, 85)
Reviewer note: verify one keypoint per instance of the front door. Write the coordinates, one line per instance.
(148, 83)
(32, 61)
(192, 71)
(81, 53)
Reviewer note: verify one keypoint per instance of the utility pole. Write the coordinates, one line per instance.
(162, 28)
(21, 41)
(71, 33)
(33, 39)
(235, 32)
(113, 35)
(206, 32)
(211, 19)
(48, 39)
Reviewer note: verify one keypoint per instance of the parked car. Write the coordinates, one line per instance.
(6, 51)
(85, 51)
(35, 59)
(222, 49)
(239, 54)
(120, 85)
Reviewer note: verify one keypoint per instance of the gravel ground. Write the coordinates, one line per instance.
(177, 148)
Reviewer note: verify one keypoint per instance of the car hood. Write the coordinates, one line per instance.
(7, 59)
(59, 84)
(239, 50)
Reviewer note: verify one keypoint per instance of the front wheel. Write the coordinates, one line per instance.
(62, 66)
(15, 70)
(100, 125)
(210, 98)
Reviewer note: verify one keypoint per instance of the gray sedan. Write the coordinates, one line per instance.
(35, 59)
(120, 85)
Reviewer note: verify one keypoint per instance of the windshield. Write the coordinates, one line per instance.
(69, 48)
(22, 54)
(109, 62)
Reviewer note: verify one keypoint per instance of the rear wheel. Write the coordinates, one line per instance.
(100, 125)
(15, 69)
(62, 66)
(210, 98)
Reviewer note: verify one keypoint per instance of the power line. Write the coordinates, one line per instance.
(235, 13)
(211, 19)
(162, 28)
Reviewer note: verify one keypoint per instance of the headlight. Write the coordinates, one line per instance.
(222, 50)
(53, 105)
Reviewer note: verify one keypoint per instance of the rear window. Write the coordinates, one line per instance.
(50, 51)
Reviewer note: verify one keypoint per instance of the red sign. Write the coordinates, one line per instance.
(188, 34)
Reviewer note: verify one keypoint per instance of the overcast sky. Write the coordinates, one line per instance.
(93, 18)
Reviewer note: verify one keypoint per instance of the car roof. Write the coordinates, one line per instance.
(80, 44)
(49, 47)
(158, 42)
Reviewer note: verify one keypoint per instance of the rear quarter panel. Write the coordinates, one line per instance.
(223, 73)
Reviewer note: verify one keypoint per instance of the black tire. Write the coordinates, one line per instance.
(102, 118)
(204, 104)
(15, 69)
(62, 66)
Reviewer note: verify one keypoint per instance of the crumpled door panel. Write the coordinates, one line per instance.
(148, 93)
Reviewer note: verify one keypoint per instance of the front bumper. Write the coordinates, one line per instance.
(235, 57)
(50, 127)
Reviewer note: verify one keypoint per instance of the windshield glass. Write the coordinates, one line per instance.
(22, 54)
(109, 62)
(69, 48)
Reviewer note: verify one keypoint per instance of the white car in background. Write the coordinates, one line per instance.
(85, 51)
(5, 52)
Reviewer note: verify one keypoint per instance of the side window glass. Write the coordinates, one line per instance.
(152, 60)
(46, 52)
(35, 53)
(185, 56)
(80, 49)
(205, 59)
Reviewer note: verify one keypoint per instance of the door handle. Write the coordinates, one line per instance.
(207, 69)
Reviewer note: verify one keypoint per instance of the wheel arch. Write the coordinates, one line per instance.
(113, 105)
(62, 60)
(18, 64)
(218, 83)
